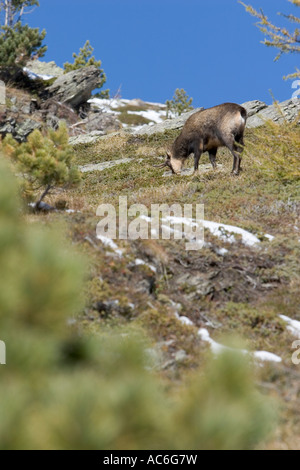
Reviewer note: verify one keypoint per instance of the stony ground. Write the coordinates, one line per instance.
(228, 288)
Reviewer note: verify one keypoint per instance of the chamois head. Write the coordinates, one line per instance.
(174, 164)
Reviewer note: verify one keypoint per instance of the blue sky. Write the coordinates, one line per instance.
(211, 48)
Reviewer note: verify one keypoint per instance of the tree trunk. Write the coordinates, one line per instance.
(44, 194)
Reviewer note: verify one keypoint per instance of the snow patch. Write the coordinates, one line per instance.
(155, 116)
(221, 251)
(111, 244)
(217, 348)
(140, 262)
(293, 325)
(35, 76)
(224, 232)
(184, 320)
(269, 237)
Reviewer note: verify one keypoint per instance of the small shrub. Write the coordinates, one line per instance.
(45, 162)
(180, 103)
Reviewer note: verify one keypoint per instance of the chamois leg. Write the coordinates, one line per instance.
(212, 157)
(197, 155)
(239, 147)
(198, 150)
(231, 145)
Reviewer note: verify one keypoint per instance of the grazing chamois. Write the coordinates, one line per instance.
(207, 130)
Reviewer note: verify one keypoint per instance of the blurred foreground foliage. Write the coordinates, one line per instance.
(64, 389)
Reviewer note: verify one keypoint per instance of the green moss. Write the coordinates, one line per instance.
(133, 119)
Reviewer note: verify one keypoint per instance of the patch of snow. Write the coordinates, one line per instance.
(265, 356)
(220, 230)
(185, 320)
(293, 325)
(35, 76)
(223, 231)
(139, 262)
(172, 230)
(180, 220)
(269, 237)
(111, 244)
(221, 251)
(218, 348)
(106, 105)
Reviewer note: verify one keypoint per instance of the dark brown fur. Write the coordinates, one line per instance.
(220, 126)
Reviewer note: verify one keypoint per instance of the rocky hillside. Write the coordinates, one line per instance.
(244, 282)
(41, 95)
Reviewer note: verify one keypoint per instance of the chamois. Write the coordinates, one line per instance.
(207, 130)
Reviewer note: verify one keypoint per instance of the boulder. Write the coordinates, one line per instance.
(20, 131)
(253, 107)
(7, 126)
(102, 122)
(75, 88)
(44, 68)
(84, 139)
(23, 130)
(287, 110)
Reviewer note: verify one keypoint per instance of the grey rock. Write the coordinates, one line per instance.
(45, 68)
(7, 127)
(43, 207)
(104, 165)
(14, 109)
(25, 109)
(253, 107)
(83, 139)
(102, 122)
(287, 110)
(19, 131)
(75, 88)
(23, 130)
